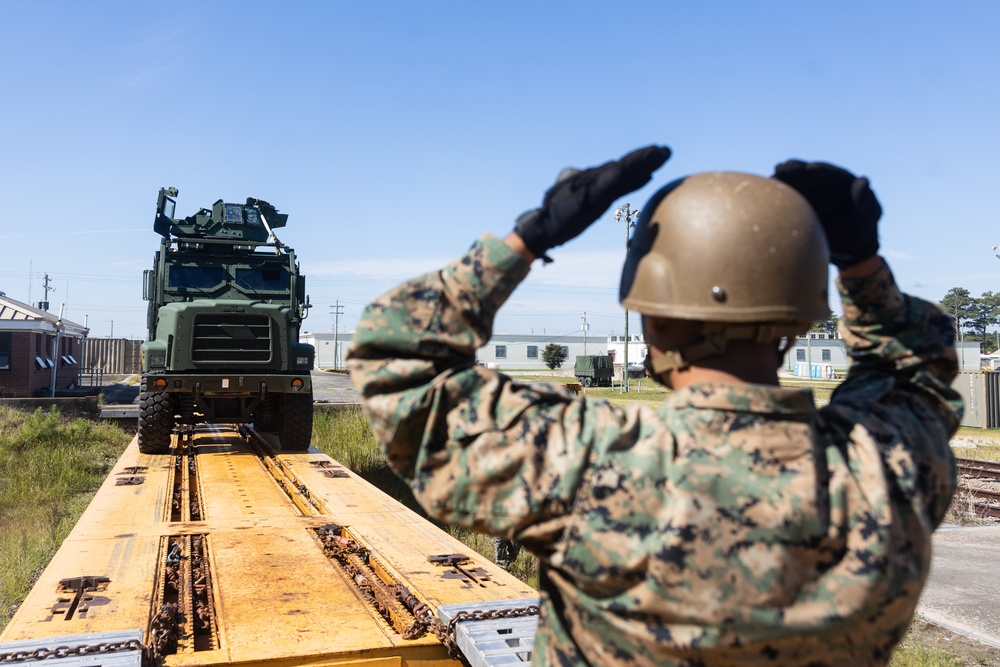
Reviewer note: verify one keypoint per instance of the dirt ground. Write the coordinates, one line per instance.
(970, 652)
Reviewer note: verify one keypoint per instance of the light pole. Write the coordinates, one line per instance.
(585, 326)
(625, 212)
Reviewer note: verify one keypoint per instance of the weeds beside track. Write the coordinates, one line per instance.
(50, 467)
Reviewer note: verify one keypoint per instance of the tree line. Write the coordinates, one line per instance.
(973, 316)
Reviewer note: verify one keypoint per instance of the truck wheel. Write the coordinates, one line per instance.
(296, 422)
(586, 382)
(156, 421)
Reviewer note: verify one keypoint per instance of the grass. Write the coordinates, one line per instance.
(920, 656)
(928, 645)
(977, 443)
(50, 468)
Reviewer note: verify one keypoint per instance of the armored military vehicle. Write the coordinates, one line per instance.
(226, 301)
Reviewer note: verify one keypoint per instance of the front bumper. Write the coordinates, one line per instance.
(231, 385)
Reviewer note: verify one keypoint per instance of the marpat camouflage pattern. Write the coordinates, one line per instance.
(736, 525)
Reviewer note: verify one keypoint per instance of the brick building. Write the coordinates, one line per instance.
(34, 344)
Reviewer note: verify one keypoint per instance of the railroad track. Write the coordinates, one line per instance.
(984, 503)
(979, 469)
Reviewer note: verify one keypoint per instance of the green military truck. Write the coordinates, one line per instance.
(594, 370)
(226, 301)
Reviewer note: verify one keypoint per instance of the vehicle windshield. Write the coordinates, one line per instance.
(196, 277)
(265, 279)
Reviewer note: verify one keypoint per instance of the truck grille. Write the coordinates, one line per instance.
(228, 337)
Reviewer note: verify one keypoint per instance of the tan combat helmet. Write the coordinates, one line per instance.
(743, 254)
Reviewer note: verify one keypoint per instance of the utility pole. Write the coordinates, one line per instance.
(56, 357)
(44, 305)
(585, 327)
(337, 311)
(624, 211)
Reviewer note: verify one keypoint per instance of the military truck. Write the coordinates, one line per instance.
(226, 301)
(594, 370)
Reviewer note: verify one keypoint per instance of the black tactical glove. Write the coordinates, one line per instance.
(845, 204)
(580, 197)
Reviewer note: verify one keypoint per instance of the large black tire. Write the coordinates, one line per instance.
(586, 381)
(156, 421)
(296, 422)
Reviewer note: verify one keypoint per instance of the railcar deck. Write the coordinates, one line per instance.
(225, 552)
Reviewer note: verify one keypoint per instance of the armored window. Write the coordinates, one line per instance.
(501, 352)
(826, 355)
(5, 350)
(800, 355)
(234, 213)
(266, 279)
(196, 277)
(532, 351)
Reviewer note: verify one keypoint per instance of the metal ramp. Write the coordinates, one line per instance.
(488, 642)
(121, 648)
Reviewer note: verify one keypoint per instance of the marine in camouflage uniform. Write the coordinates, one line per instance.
(736, 524)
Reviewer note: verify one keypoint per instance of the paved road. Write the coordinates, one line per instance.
(963, 589)
(333, 388)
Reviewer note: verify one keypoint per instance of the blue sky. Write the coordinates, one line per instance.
(393, 134)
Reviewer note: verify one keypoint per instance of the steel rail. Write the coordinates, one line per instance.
(979, 469)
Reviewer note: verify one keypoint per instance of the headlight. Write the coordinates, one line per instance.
(158, 360)
(301, 361)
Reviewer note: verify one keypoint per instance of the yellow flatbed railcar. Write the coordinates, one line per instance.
(224, 552)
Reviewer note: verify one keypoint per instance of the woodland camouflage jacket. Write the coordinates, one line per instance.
(733, 525)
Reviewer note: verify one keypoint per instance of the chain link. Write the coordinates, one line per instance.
(446, 633)
(66, 651)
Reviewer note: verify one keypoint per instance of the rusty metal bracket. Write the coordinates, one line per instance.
(130, 480)
(133, 470)
(457, 563)
(82, 599)
(330, 469)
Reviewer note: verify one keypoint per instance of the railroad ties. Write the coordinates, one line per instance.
(984, 502)
(227, 550)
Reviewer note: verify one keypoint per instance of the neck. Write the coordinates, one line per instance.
(699, 375)
(742, 363)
